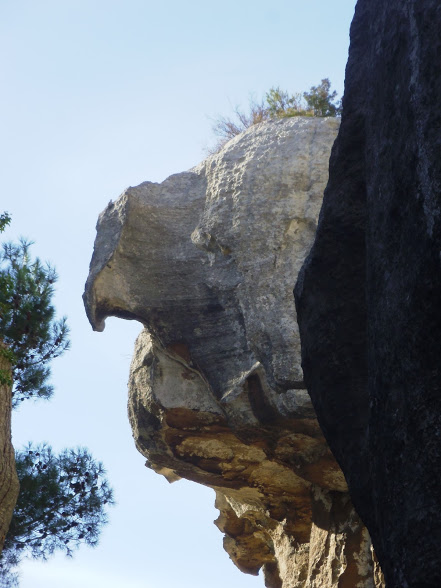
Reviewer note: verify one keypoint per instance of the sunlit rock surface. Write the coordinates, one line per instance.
(369, 296)
(207, 261)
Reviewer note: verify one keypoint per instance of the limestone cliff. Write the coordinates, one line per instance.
(369, 296)
(8, 474)
(207, 261)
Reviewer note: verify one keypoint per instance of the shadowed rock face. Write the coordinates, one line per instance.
(369, 295)
(207, 261)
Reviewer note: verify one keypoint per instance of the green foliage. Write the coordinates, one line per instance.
(4, 374)
(62, 503)
(27, 320)
(284, 105)
(63, 498)
(278, 103)
(320, 101)
(5, 219)
(5, 380)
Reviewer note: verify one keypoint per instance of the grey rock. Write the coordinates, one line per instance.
(207, 261)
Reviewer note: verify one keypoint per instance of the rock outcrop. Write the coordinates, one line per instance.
(368, 298)
(207, 261)
(8, 475)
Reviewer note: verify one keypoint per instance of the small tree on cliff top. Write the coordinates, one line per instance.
(320, 100)
(278, 103)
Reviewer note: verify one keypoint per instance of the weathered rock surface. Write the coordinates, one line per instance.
(207, 261)
(8, 475)
(369, 296)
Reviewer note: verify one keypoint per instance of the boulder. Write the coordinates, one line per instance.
(368, 295)
(207, 261)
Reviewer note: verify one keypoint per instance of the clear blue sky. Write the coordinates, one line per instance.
(98, 95)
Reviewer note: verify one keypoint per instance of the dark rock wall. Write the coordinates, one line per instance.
(368, 298)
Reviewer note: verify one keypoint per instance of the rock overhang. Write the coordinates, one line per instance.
(207, 261)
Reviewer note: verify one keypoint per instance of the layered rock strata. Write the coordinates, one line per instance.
(207, 261)
(368, 298)
(8, 476)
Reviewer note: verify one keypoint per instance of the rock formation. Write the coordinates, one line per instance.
(368, 298)
(207, 261)
(8, 474)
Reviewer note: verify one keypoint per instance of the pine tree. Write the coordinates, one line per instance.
(62, 503)
(27, 323)
(63, 498)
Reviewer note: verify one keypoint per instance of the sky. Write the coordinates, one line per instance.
(96, 96)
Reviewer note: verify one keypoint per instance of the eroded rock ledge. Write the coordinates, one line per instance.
(207, 261)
